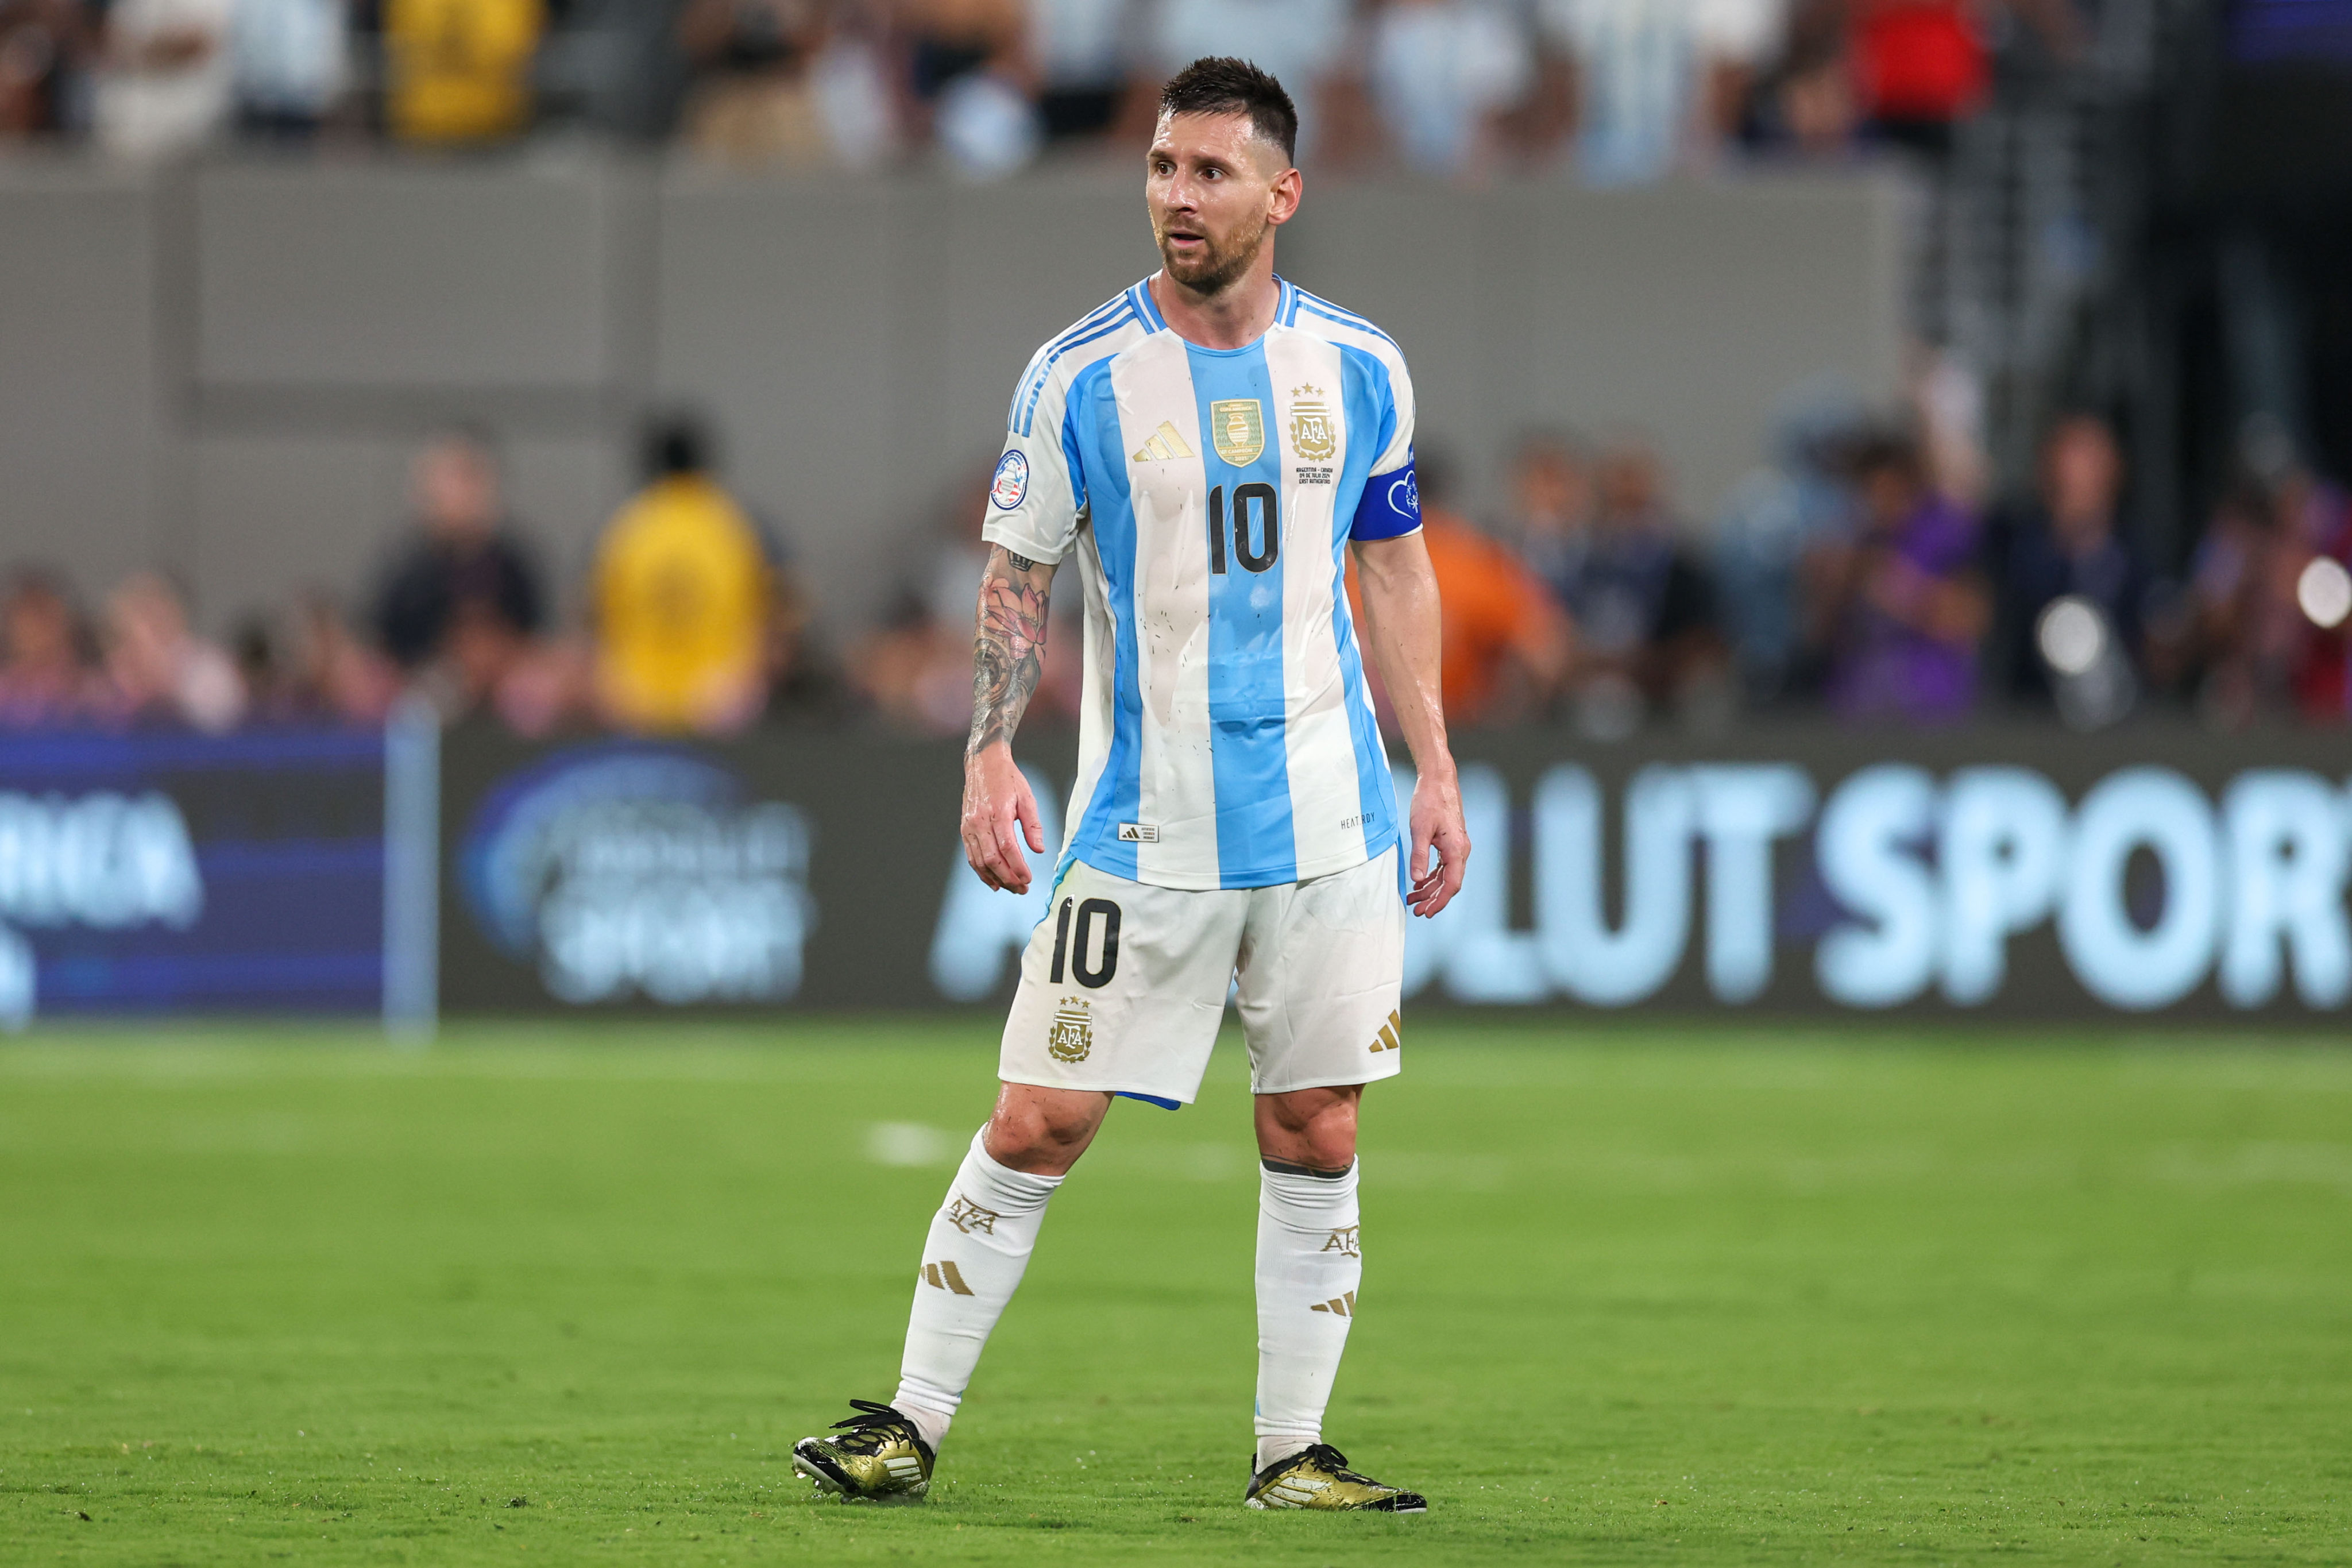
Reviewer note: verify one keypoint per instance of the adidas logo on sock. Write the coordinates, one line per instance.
(1337, 1306)
(1165, 446)
(947, 1277)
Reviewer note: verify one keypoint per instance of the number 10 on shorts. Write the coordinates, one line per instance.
(1080, 925)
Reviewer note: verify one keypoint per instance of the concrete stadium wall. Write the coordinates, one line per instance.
(223, 368)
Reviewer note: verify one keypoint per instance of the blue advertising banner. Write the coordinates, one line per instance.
(167, 871)
(2153, 871)
(608, 873)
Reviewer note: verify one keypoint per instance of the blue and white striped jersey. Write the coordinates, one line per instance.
(1226, 740)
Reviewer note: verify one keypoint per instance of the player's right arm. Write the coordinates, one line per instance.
(1034, 506)
(1008, 656)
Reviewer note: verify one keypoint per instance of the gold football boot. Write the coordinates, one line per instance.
(878, 1457)
(1319, 1477)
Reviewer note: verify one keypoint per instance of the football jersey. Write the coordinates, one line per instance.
(1226, 739)
(681, 590)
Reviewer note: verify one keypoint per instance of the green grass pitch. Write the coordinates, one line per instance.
(1632, 1295)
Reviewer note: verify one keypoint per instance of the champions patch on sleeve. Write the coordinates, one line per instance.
(1011, 486)
(1391, 505)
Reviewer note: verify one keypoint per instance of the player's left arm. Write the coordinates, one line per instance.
(1401, 628)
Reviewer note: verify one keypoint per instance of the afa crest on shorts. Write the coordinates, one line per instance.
(1237, 430)
(1071, 1036)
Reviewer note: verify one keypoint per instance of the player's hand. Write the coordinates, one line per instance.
(999, 813)
(1437, 824)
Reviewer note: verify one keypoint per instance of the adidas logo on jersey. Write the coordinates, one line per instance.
(1165, 446)
(1391, 1034)
(1337, 1306)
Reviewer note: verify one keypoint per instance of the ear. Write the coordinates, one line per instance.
(1282, 196)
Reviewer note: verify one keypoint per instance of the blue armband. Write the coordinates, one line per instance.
(1391, 504)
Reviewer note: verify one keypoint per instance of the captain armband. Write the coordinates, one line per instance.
(1390, 507)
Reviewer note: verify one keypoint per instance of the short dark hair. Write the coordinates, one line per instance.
(1889, 451)
(1221, 84)
(677, 443)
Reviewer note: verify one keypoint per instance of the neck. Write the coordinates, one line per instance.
(1234, 318)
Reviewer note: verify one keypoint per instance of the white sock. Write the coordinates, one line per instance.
(973, 1258)
(1309, 1266)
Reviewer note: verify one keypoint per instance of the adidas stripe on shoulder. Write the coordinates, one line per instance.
(1104, 321)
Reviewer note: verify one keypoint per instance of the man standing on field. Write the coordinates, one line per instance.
(1207, 445)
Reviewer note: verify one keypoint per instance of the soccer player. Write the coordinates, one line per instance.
(1208, 447)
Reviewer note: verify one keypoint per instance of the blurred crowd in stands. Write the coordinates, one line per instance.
(1617, 90)
(1862, 572)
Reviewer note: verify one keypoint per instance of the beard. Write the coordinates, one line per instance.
(1218, 266)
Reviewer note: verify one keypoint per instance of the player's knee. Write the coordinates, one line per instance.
(1043, 1137)
(1037, 1147)
(1329, 1146)
(1315, 1128)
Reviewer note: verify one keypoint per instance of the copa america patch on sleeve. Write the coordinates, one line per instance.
(1391, 505)
(1011, 487)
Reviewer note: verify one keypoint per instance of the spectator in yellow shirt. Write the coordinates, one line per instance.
(683, 595)
(460, 70)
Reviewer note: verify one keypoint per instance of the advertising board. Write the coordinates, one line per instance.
(154, 871)
(2020, 872)
(2025, 872)
(616, 874)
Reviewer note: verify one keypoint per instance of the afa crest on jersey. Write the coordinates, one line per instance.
(1237, 427)
(1313, 436)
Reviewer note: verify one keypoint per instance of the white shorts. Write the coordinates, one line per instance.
(1123, 985)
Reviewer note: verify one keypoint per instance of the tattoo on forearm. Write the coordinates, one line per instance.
(1008, 649)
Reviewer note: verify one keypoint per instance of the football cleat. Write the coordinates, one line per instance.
(878, 1457)
(1319, 1477)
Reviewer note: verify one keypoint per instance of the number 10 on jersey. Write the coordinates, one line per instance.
(1256, 544)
